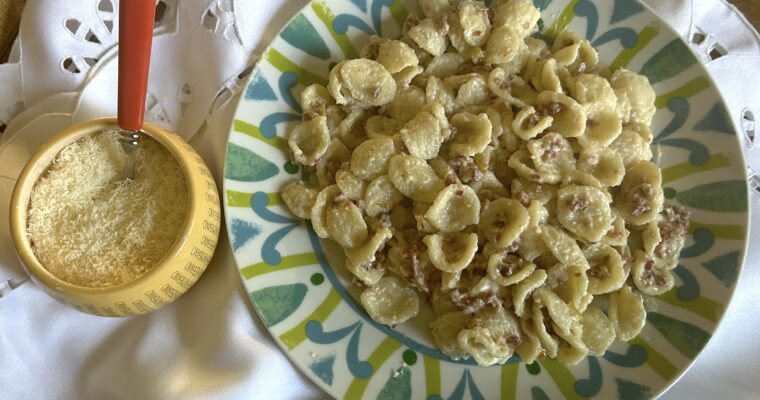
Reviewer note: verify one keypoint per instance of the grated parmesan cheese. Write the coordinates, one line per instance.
(90, 227)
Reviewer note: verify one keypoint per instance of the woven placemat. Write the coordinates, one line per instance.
(10, 15)
(751, 9)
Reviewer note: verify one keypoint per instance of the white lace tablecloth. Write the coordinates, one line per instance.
(209, 343)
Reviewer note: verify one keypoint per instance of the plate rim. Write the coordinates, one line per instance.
(746, 222)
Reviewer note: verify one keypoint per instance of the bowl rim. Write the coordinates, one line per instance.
(49, 150)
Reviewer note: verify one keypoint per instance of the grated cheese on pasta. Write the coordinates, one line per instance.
(90, 227)
(498, 176)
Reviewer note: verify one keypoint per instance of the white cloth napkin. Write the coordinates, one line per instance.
(209, 343)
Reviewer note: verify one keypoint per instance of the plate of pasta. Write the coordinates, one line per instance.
(503, 199)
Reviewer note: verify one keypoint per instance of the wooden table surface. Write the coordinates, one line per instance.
(10, 14)
(751, 9)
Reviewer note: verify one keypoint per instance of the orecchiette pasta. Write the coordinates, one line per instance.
(319, 210)
(425, 133)
(361, 82)
(309, 140)
(299, 198)
(454, 208)
(396, 55)
(604, 164)
(414, 178)
(351, 129)
(598, 331)
(328, 165)
(540, 318)
(641, 197)
(635, 96)
(381, 196)
(568, 117)
(523, 290)
(405, 77)
(345, 223)
(349, 184)
(472, 133)
(606, 273)
(563, 247)
(446, 329)
(472, 17)
(552, 157)
(407, 104)
(451, 252)
(497, 176)
(548, 76)
(627, 313)
(530, 348)
(631, 147)
(382, 126)
(315, 99)
(529, 123)
(390, 301)
(584, 211)
(429, 36)
(505, 48)
(494, 335)
(508, 269)
(502, 221)
(576, 53)
(512, 88)
(474, 91)
(370, 159)
(648, 277)
(434, 8)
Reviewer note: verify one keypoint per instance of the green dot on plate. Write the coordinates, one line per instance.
(534, 368)
(410, 357)
(290, 167)
(540, 24)
(317, 278)
(669, 193)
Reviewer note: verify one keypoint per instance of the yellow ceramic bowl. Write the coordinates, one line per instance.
(172, 276)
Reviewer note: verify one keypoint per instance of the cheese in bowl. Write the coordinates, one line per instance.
(91, 227)
(106, 245)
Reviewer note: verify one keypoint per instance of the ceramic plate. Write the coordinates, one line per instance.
(300, 289)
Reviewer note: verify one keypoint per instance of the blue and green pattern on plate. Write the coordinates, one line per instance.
(302, 293)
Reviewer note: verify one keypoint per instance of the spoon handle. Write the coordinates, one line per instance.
(136, 19)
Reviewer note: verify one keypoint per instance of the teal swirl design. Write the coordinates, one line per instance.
(323, 368)
(301, 33)
(245, 165)
(344, 21)
(635, 356)
(398, 387)
(269, 252)
(466, 383)
(627, 37)
(589, 387)
(628, 390)
(689, 291)
(668, 62)
(316, 333)
(717, 120)
(242, 232)
(277, 302)
(725, 267)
